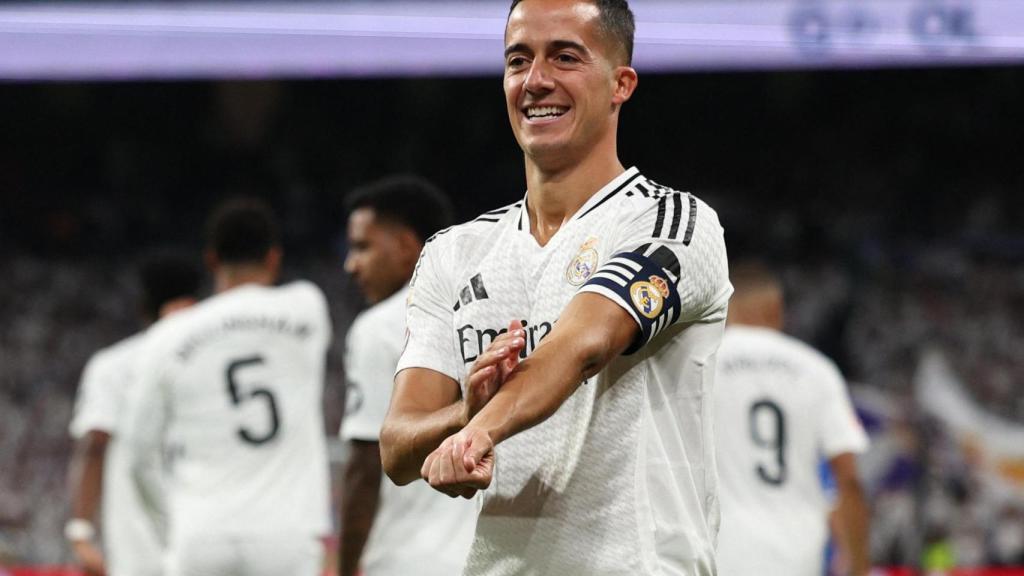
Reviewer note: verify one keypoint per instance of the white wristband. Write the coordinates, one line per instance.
(79, 530)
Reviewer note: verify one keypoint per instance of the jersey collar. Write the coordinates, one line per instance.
(609, 190)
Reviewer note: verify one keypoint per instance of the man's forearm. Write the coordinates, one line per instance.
(533, 393)
(86, 475)
(590, 333)
(853, 514)
(360, 493)
(544, 380)
(406, 440)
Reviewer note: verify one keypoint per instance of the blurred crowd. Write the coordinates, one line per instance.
(925, 491)
(889, 199)
(55, 315)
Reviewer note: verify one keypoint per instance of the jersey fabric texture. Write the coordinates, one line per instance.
(268, 554)
(132, 530)
(232, 388)
(622, 478)
(415, 530)
(781, 407)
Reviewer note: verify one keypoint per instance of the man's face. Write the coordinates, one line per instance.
(380, 257)
(559, 76)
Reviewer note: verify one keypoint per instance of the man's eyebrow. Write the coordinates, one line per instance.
(569, 44)
(520, 47)
(553, 45)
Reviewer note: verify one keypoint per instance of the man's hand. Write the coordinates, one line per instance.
(89, 557)
(462, 464)
(493, 367)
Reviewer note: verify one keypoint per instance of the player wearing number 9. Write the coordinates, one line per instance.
(230, 392)
(781, 407)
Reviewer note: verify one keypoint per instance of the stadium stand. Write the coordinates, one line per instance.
(897, 221)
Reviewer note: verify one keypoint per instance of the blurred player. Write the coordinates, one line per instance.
(561, 350)
(99, 475)
(781, 407)
(232, 387)
(413, 530)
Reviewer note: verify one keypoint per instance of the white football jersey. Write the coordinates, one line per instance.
(232, 387)
(414, 531)
(622, 478)
(781, 408)
(131, 528)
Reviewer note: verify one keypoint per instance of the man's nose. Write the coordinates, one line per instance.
(350, 263)
(539, 79)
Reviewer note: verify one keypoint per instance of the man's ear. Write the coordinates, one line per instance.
(273, 260)
(211, 260)
(410, 244)
(625, 83)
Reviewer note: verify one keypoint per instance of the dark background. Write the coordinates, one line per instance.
(889, 199)
(92, 168)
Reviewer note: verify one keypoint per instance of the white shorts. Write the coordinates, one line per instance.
(133, 564)
(258, 554)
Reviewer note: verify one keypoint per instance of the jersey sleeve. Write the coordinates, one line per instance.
(668, 265)
(146, 409)
(429, 315)
(369, 376)
(96, 406)
(320, 312)
(839, 427)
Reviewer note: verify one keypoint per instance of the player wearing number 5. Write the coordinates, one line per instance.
(781, 406)
(232, 393)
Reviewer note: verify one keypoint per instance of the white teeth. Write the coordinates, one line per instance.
(545, 111)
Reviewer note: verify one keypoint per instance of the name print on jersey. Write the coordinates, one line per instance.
(231, 324)
(473, 341)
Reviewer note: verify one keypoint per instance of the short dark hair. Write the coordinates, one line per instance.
(617, 22)
(748, 274)
(166, 275)
(407, 200)
(242, 231)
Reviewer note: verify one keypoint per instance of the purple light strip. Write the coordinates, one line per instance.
(208, 40)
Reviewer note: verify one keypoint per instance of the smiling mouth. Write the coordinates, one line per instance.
(544, 112)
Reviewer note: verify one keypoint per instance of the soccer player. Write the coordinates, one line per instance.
(561, 350)
(232, 389)
(780, 407)
(99, 475)
(413, 530)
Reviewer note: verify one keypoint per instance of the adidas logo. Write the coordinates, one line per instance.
(473, 291)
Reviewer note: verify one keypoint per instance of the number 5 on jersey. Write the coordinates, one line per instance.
(238, 398)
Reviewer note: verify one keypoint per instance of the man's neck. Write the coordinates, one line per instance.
(229, 277)
(175, 305)
(554, 195)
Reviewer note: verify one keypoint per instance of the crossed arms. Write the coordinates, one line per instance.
(432, 432)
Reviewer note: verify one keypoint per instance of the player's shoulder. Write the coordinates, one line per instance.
(664, 213)
(124, 348)
(301, 290)
(116, 355)
(460, 238)
(170, 328)
(386, 313)
(795, 352)
(485, 223)
(296, 296)
(647, 195)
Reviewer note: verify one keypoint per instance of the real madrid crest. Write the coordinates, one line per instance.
(660, 284)
(584, 264)
(647, 298)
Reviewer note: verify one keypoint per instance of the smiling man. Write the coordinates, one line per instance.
(561, 350)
